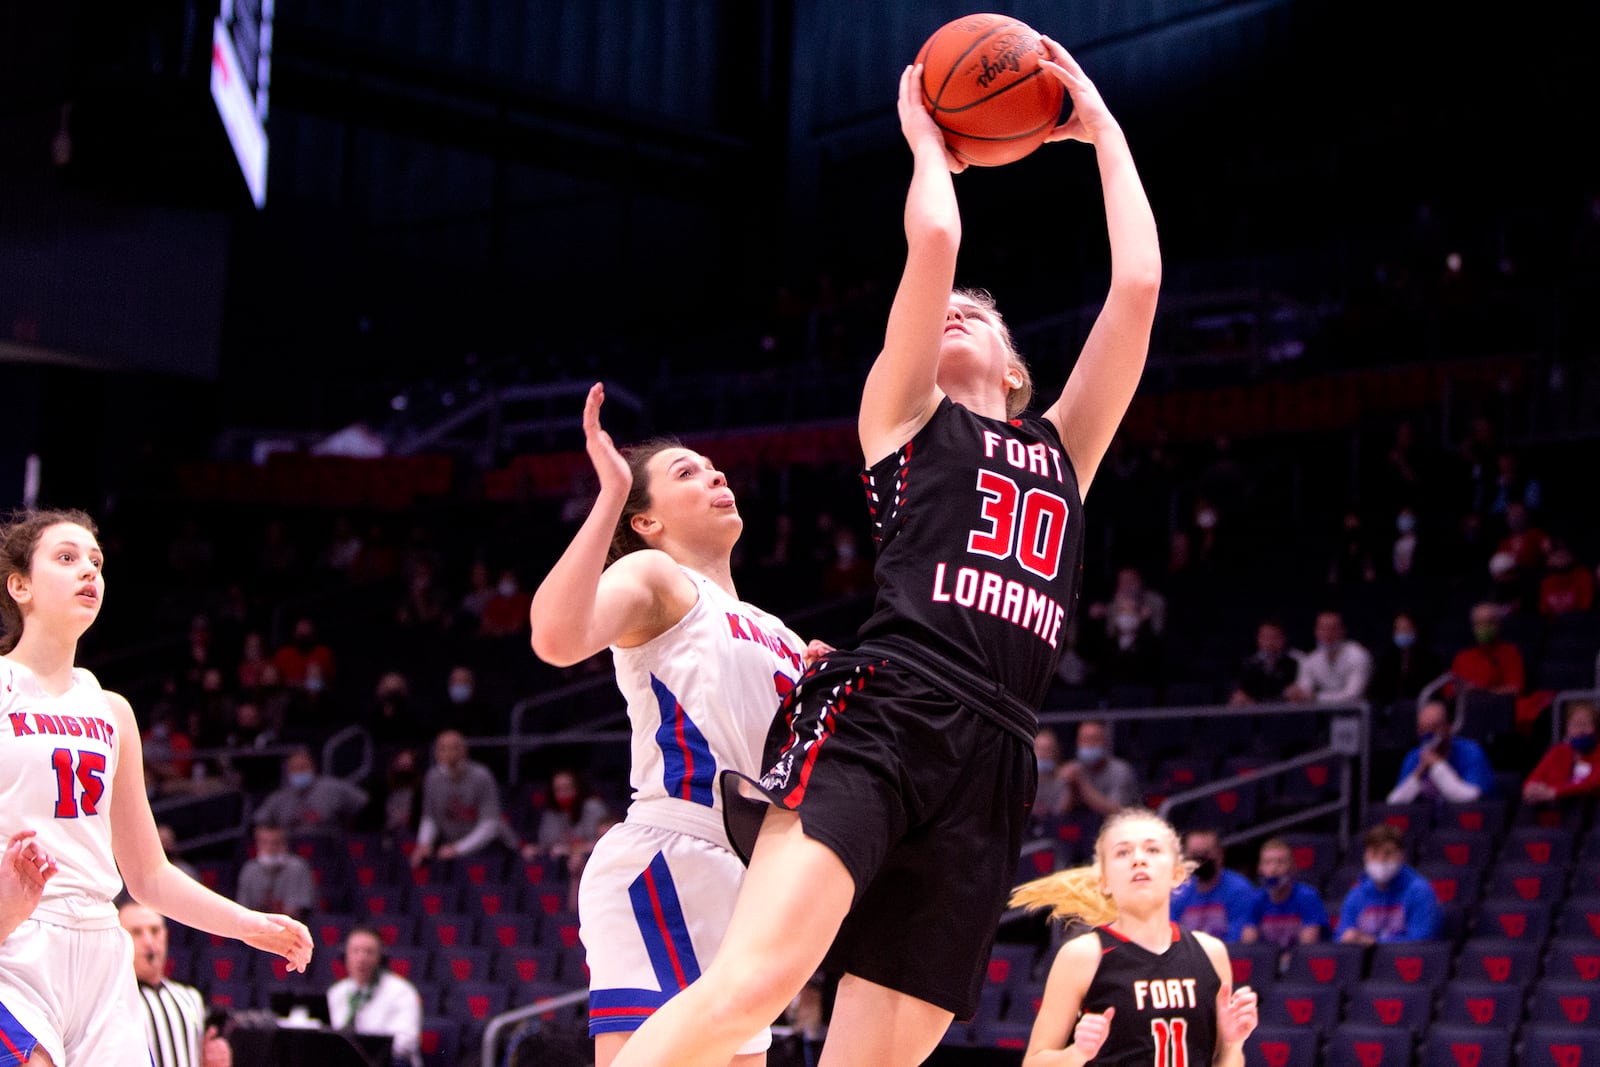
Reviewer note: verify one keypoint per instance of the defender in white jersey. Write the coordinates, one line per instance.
(72, 770)
(702, 672)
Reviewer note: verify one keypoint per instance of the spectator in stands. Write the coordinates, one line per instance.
(1525, 542)
(391, 721)
(175, 1025)
(848, 573)
(1149, 605)
(311, 801)
(1214, 900)
(506, 613)
(402, 799)
(1512, 488)
(1132, 652)
(423, 604)
(1284, 912)
(1409, 556)
(167, 767)
(344, 547)
(1442, 768)
(304, 657)
(1568, 772)
(275, 879)
(1496, 666)
(1567, 587)
(1268, 674)
(371, 999)
(1353, 563)
(1392, 902)
(468, 711)
(1337, 670)
(460, 805)
(473, 603)
(254, 774)
(1406, 666)
(1050, 797)
(252, 661)
(1095, 780)
(570, 822)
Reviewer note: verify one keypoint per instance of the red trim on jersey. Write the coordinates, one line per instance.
(1177, 935)
(661, 923)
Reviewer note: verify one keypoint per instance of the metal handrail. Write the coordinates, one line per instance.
(1361, 747)
(499, 1024)
(331, 745)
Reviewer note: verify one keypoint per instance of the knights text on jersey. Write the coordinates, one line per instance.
(979, 528)
(58, 759)
(1166, 1004)
(700, 699)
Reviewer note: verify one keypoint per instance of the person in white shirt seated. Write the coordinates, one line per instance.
(372, 999)
(1337, 671)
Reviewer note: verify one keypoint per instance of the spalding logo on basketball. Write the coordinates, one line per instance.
(982, 83)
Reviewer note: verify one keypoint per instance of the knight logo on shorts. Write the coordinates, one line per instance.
(778, 777)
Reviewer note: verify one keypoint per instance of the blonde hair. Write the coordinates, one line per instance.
(1016, 399)
(1074, 895)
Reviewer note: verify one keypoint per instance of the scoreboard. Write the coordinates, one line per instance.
(241, 75)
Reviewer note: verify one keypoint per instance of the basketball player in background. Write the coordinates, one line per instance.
(72, 768)
(650, 576)
(1137, 989)
(901, 772)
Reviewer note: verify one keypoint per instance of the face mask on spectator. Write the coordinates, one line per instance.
(1091, 753)
(1404, 639)
(1273, 881)
(507, 588)
(1486, 634)
(1583, 744)
(300, 779)
(1406, 522)
(460, 693)
(1383, 871)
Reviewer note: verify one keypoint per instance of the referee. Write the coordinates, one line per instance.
(175, 1015)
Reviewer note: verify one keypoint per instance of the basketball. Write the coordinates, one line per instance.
(982, 82)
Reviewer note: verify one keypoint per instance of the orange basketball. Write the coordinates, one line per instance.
(982, 82)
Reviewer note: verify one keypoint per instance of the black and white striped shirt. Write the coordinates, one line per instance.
(174, 1023)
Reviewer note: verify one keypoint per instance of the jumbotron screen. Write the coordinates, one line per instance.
(241, 74)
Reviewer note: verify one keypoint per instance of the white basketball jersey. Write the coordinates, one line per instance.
(58, 758)
(700, 698)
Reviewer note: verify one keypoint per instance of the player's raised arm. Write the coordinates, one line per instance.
(581, 607)
(900, 395)
(1102, 383)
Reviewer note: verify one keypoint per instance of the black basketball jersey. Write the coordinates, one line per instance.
(1166, 1005)
(979, 528)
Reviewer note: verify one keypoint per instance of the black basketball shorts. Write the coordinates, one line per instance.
(923, 799)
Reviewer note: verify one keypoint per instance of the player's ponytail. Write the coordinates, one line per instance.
(1072, 895)
(19, 539)
(625, 539)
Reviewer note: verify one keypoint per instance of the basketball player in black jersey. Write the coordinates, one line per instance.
(1136, 989)
(901, 771)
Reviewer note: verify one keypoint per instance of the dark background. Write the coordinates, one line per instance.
(628, 190)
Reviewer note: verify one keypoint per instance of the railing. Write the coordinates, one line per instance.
(1350, 741)
(167, 808)
(489, 1055)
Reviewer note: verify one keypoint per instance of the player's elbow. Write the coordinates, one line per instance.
(933, 234)
(553, 645)
(1138, 285)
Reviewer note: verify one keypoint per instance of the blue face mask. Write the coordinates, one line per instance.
(1273, 881)
(1090, 754)
(301, 779)
(1583, 744)
(1404, 639)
